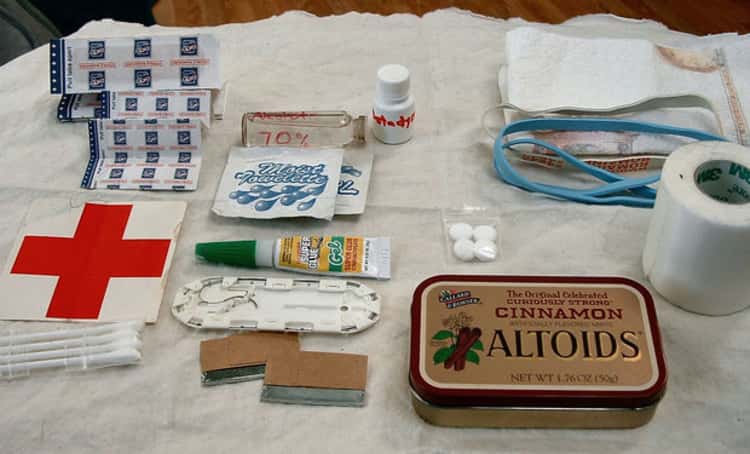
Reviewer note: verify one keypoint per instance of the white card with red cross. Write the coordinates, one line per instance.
(100, 261)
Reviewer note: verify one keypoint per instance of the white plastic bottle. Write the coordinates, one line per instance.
(393, 111)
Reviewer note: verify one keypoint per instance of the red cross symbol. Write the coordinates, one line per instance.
(86, 262)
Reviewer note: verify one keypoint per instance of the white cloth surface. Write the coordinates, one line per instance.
(300, 61)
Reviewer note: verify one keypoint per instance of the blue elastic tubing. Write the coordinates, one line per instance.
(610, 193)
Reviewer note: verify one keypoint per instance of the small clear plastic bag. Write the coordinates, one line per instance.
(471, 235)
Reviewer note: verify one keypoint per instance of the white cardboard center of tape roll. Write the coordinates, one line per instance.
(697, 252)
(726, 181)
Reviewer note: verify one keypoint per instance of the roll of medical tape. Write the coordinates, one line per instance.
(697, 252)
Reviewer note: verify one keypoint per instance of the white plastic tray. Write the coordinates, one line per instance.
(297, 305)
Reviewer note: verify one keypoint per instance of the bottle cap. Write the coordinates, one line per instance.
(248, 254)
(393, 83)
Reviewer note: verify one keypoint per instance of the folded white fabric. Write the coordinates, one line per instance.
(548, 70)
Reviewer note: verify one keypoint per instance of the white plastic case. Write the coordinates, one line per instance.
(297, 305)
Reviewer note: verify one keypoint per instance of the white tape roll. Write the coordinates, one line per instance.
(697, 252)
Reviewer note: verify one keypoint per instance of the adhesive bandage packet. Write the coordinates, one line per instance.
(79, 107)
(163, 104)
(267, 183)
(143, 154)
(197, 104)
(120, 64)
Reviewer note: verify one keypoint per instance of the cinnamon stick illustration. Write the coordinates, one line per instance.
(463, 334)
(463, 347)
(461, 361)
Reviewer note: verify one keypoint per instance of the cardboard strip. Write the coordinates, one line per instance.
(242, 357)
(316, 378)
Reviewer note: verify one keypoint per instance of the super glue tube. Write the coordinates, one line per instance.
(325, 255)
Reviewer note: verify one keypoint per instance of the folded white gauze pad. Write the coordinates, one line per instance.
(698, 245)
(548, 70)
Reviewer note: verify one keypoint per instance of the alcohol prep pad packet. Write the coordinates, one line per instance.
(119, 64)
(268, 183)
(143, 154)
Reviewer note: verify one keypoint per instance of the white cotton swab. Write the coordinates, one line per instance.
(119, 357)
(68, 343)
(88, 347)
(18, 339)
(119, 344)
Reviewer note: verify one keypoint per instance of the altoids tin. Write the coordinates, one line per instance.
(535, 351)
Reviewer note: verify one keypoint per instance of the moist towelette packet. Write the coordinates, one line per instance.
(267, 183)
(354, 181)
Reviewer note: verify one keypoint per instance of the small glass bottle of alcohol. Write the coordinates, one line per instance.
(302, 129)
